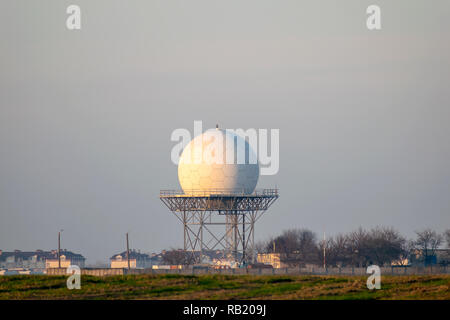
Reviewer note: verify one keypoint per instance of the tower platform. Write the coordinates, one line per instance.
(205, 213)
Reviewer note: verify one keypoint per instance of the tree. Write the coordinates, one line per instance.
(337, 251)
(284, 243)
(358, 247)
(261, 246)
(447, 237)
(380, 246)
(385, 244)
(406, 252)
(427, 242)
(296, 245)
(327, 247)
(175, 257)
(307, 246)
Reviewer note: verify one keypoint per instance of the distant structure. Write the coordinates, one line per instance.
(39, 259)
(67, 258)
(419, 257)
(273, 259)
(280, 260)
(137, 260)
(218, 204)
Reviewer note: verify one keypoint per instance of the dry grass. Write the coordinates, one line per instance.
(225, 287)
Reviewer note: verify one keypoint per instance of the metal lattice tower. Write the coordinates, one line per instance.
(205, 214)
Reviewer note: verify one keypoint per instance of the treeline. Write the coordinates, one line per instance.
(380, 246)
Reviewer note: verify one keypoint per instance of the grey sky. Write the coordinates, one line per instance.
(86, 116)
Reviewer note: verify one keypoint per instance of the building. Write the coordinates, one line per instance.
(67, 258)
(39, 259)
(443, 256)
(281, 260)
(401, 262)
(273, 259)
(137, 260)
(440, 257)
(23, 259)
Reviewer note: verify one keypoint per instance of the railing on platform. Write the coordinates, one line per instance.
(217, 192)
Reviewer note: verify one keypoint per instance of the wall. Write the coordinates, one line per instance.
(100, 272)
(282, 271)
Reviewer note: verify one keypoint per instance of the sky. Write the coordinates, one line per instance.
(86, 115)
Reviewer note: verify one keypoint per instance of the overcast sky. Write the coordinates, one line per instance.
(86, 116)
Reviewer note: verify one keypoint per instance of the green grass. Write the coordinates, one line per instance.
(175, 286)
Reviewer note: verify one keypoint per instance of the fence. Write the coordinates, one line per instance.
(397, 271)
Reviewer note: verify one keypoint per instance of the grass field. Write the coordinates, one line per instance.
(224, 287)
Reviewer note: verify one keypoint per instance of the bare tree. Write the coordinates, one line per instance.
(380, 246)
(175, 257)
(307, 246)
(386, 244)
(287, 242)
(284, 243)
(297, 246)
(427, 242)
(357, 247)
(261, 246)
(447, 237)
(338, 251)
(406, 252)
(327, 252)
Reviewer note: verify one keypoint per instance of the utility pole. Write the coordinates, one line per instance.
(128, 253)
(324, 251)
(59, 248)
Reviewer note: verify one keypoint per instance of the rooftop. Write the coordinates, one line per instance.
(40, 254)
(134, 254)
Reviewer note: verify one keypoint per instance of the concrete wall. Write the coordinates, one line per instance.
(282, 271)
(100, 272)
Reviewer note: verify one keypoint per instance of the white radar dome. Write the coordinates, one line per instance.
(218, 161)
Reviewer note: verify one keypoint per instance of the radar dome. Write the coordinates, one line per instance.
(218, 161)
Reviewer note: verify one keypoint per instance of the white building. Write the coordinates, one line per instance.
(137, 260)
